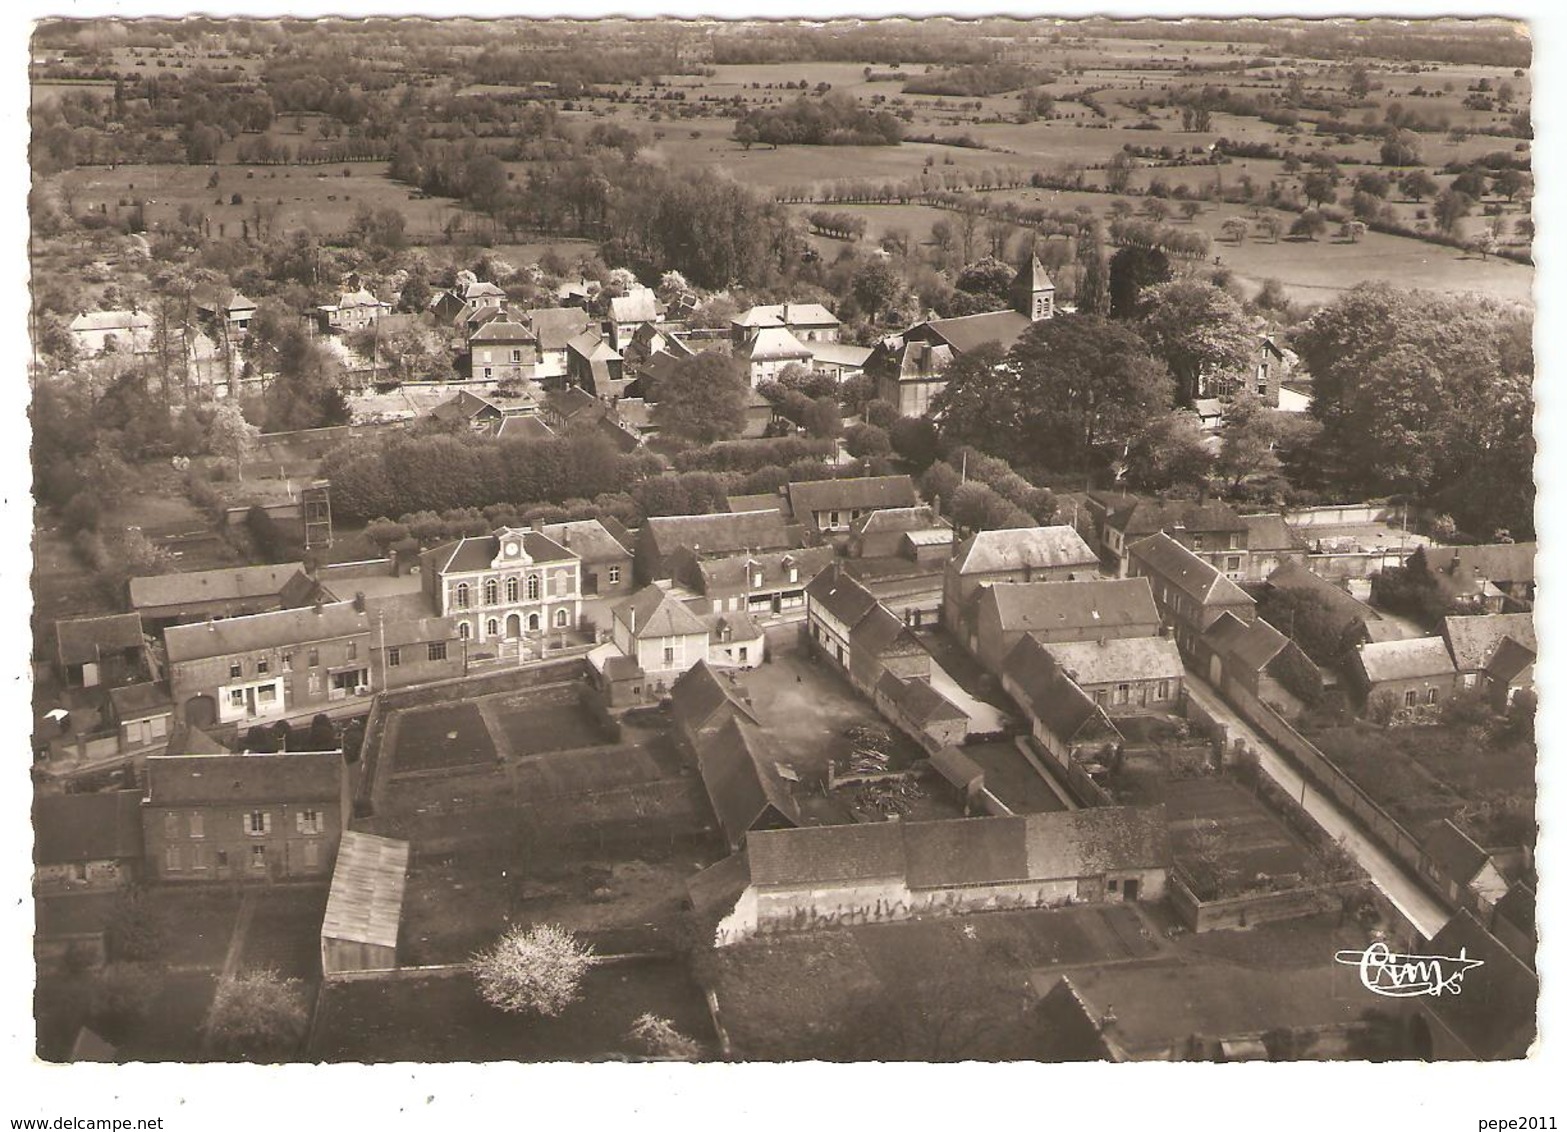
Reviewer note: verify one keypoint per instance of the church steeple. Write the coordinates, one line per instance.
(1033, 293)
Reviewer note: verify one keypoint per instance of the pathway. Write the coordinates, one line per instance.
(1406, 894)
(247, 912)
(982, 716)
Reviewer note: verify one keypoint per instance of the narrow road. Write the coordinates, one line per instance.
(1403, 891)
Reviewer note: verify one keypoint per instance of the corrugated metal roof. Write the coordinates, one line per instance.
(365, 904)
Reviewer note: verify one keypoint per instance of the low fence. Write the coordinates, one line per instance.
(1352, 513)
(1252, 909)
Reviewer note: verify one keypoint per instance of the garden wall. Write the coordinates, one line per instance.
(1254, 908)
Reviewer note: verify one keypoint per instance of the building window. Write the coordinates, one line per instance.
(1115, 885)
(288, 661)
(511, 591)
(312, 855)
(223, 858)
(236, 670)
(1411, 697)
(492, 628)
(1164, 689)
(669, 656)
(353, 650)
(487, 373)
(394, 656)
(197, 825)
(832, 519)
(614, 575)
(258, 823)
(491, 592)
(1123, 693)
(171, 825)
(437, 650)
(516, 355)
(263, 666)
(258, 856)
(463, 630)
(1197, 542)
(237, 698)
(462, 595)
(756, 580)
(308, 822)
(562, 619)
(173, 859)
(1430, 695)
(266, 694)
(313, 682)
(533, 587)
(314, 658)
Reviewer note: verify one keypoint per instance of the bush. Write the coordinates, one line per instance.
(122, 997)
(137, 929)
(533, 970)
(258, 1015)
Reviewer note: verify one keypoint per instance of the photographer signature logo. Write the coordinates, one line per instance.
(1409, 976)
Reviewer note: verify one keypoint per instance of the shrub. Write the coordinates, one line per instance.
(533, 970)
(258, 1015)
(137, 929)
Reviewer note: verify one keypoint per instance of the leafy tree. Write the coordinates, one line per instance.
(989, 277)
(137, 928)
(866, 440)
(384, 533)
(258, 1015)
(877, 288)
(1510, 182)
(1171, 450)
(702, 399)
(230, 435)
(1417, 185)
(979, 507)
(823, 418)
(914, 440)
(1199, 331)
(1309, 224)
(123, 995)
(1401, 148)
(662, 1041)
(1307, 619)
(1471, 182)
(1449, 207)
(533, 970)
(1235, 230)
(1318, 188)
(1132, 270)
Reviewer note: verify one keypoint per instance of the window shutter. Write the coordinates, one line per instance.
(299, 821)
(266, 823)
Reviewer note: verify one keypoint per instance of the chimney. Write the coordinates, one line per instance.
(359, 602)
(318, 607)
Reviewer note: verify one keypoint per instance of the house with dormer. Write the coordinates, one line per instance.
(354, 310)
(504, 587)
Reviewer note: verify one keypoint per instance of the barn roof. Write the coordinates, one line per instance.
(1048, 694)
(1017, 548)
(231, 584)
(1253, 644)
(293, 776)
(722, 533)
(841, 595)
(280, 628)
(365, 904)
(85, 639)
(1405, 660)
(738, 764)
(74, 828)
(858, 494)
(1109, 661)
(1474, 640)
(1100, 603)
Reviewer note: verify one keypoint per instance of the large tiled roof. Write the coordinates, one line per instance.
(732, 571)
(235, 583)
(111, 320)
(839, 354)
(1474, 640)
(738, 765)
(699, 695)
(882, 633)
(652, 613)
(917, 700)
(72, 828)
(962, 851)
(524, 427)
(786, 314)
(1510, 662)
(304, 776)
(1495, 1015)
(774, 343)
(1405, 660)
(637, 306)
(137, 701)
(840, 595)
(477, 552)
(465, 405)
(852, 494)
(588, 539)
(826, 855)
(84, 640)
(1269, 532)
(1162, 556)
(1017, 548)
(722, 533)
(556, 326)
(1110, 661)
(501, 330)
(969, 332)
(1097, 840)
(259, 631)
(1496, 562)
(365, 903)
(1102, 603)
(593, 346)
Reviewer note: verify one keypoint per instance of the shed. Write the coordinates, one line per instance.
(365, 905)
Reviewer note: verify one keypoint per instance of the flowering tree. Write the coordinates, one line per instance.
(662, 1041)
(258, 1015)
(533, 970)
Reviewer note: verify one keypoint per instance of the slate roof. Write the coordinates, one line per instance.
(858, 494)
(232, 584)
(919, 702)
(635, 306)
(738, 765)
(555, 326)
(524, 427)
(588, 539)
(739, 627)
(699, 695)
(774, 343)
(1294, 577)
(1405, 660)
(1474, 640)
(826, 854)
(1167, 559)
(1269, 532)
(1097, 840)
(365, 903)
(882, 633)
(302, 776)
(839, 354)
(592, 346)
(1069, 1029)
(260, 631)
(718, 534)
(835, 591)
(969, 332)
(964, 851)
(1034, 547)
(74, 828)
(501, 330)
(1511, 662)
(137, 701)
(731, 572)
(1495, 1015)
(1253, 645)
(476, 552)
(477, 290)
(653, 613)
(1048, 694)
(786, 314)
(1454, 851)
(1085, 605)
(85, 639)
(1110, 661)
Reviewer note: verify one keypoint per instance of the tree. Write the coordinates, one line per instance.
(1170, 450)
(1235, 230)
(1510, 182)
(1308, 619)
(1118, 173)
(864, 441)
(1131, 270)
(1449, 207)
(1309, 224)
(1249, 438)
(1318, 188)
(662, 1042)
(914, 440)
(258, 1015)
(1471, 182)
(533, 970)
(1401, 148)
(1200, 331)
(877, 287)
(1417, 185)
(702, 399)
(137, 928)
(823, 419)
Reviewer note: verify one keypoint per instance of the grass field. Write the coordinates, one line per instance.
(551, 727)
(453, 735)
(444, 1020)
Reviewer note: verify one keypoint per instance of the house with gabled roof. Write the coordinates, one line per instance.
(354, 310)
(1509, 675)
(1473, 641)
(627, 312)
(1190, 592)
(824, 876)
(605, 554)
(882, 643)
(502, 349)
(835, 602)
(885, 533)
(1065, 720)
(1412, 676)
(657, 631)
(769, 352)
(1494, 1018)
(760, 583)
(734, 640)
(553, 329)
(1026, 554)
(93, 651)
(120, 332)
(914, 706)
(252, 817)
(595, 366)
(1356, 621)
(831, 507)
(1495, 578)
(506, 587)
(1256, 657)
(86, 840)
(1210, 529)
(807, 322)
(225, 311)
(1091, 610)
(1124, 675)
(706, 536)
(1463, 871)
(466, 407)
(234, 591)
(739, 768)
(701, 703)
